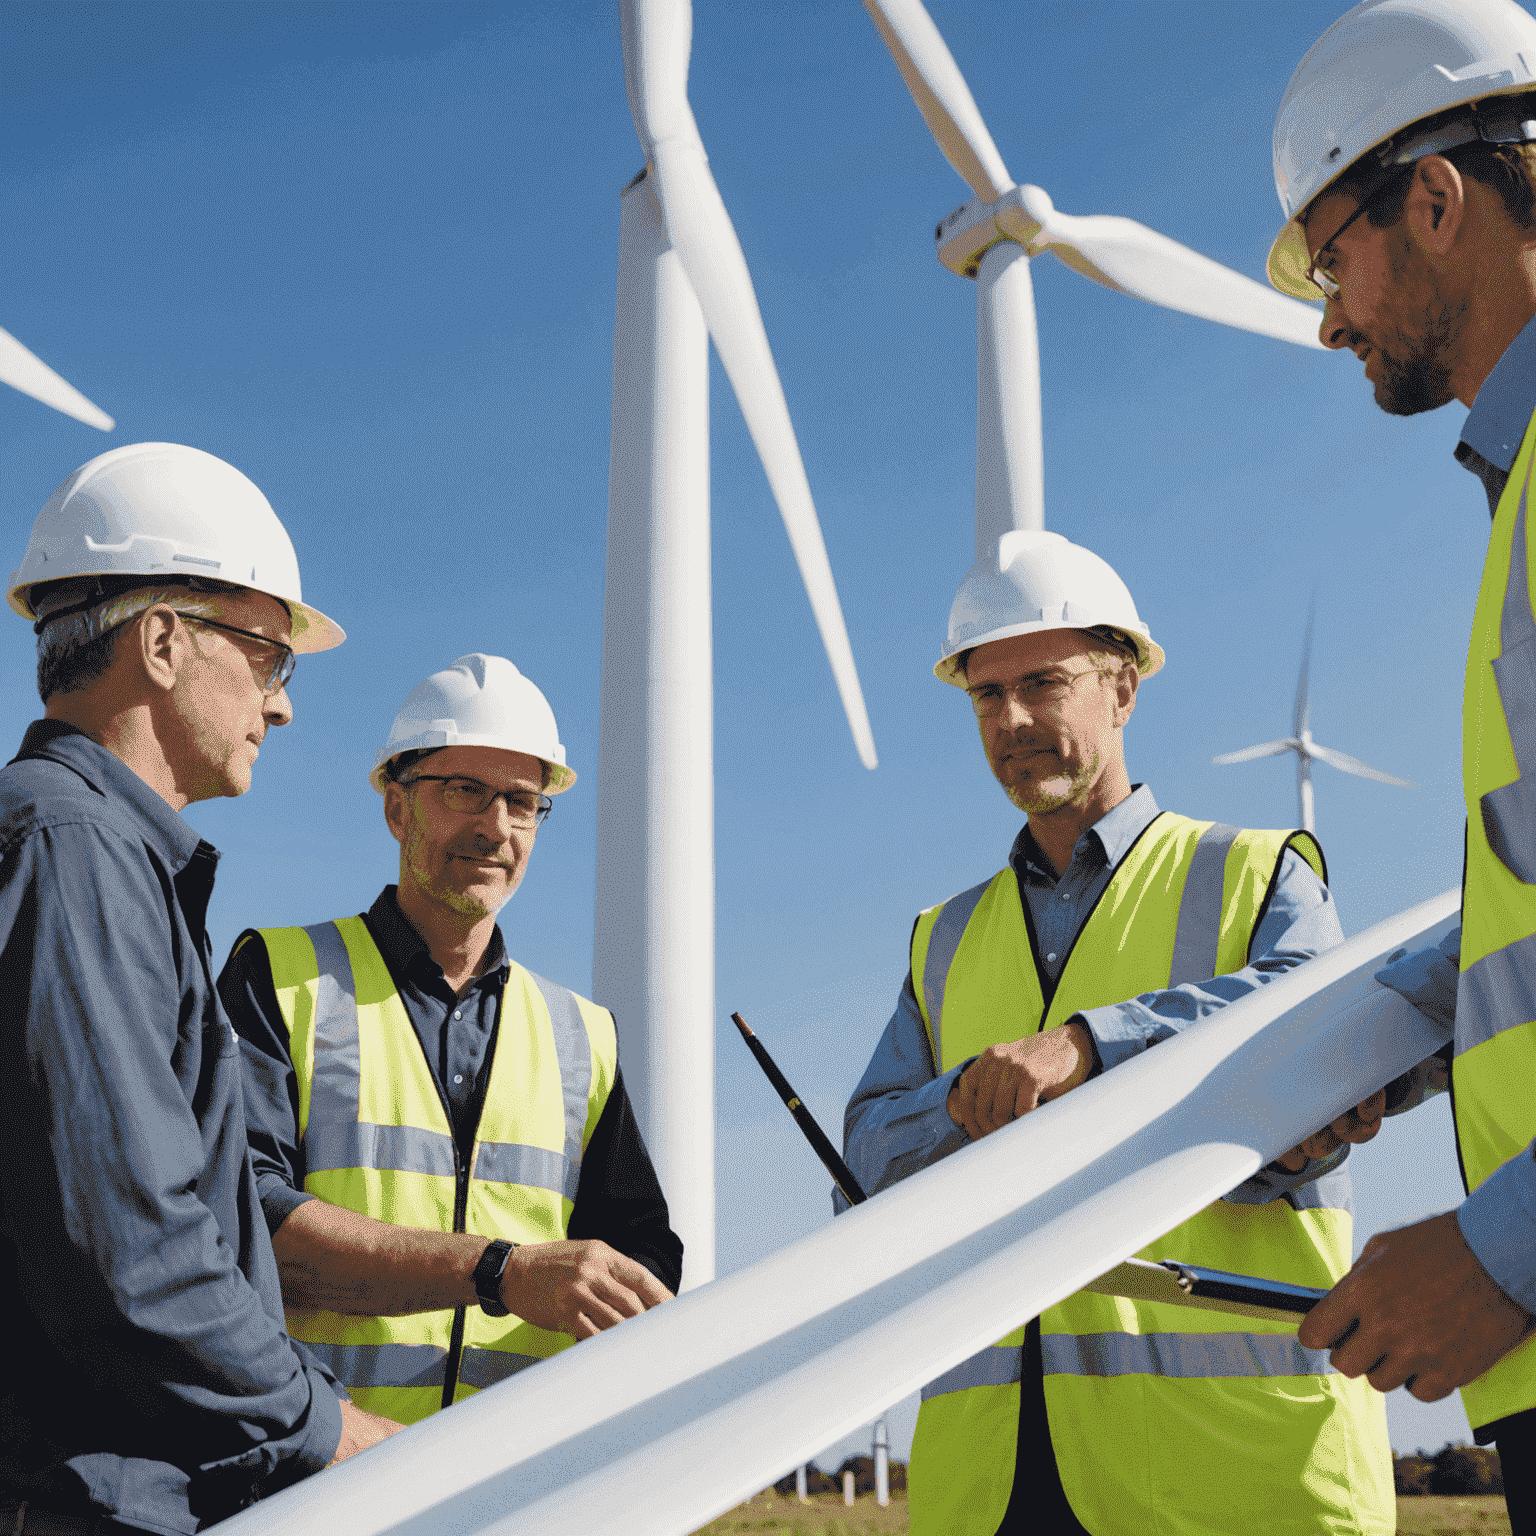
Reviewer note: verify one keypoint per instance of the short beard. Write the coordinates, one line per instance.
(1039, 797)
(1416, 373)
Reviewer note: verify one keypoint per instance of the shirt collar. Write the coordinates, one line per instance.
(174, 838)
(1495, 426)
(402, 947)
(1113, 832)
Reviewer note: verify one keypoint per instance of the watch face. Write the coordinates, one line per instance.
(488, 1274)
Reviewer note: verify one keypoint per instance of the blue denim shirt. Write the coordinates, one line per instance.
(1498, 1219)
(897, 1120)
(148, 1376)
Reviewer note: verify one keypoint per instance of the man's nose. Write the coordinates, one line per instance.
(277, 708)
(1334, 331)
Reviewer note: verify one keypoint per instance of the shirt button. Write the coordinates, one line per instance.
(1050, 957)
(459, 1078)
(458, 1013)
(1065, 896)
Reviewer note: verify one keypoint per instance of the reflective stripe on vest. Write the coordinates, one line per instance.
(375, 1138)
(1197, 1355)
(340, 1138)
(1494, 1069)
(1133, 1390)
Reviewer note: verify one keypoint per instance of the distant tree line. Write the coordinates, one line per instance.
(1463, 1469)
(863, 1469)
(1454, 1469)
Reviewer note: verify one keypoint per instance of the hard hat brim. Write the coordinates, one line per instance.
(312, 630)
(1149, 654)
(1289, 261)
(560, 778)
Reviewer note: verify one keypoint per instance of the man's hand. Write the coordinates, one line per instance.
(1011, 1079)
(578, 1288)
(360, 1429)
(1416, 1308)
(1355, 1125)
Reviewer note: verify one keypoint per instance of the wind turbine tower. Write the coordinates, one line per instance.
(992, 240)
(1308, 751)
(682, 281)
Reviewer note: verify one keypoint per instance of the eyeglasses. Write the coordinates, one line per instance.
(1322, 278)
(469, 797)
(1037, 691)
(275, 672)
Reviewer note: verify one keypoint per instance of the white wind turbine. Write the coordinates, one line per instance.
(1308, 751)
(32, 376)
(682, 281)
(992, 239)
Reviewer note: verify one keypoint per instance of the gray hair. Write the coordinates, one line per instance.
(77, 648)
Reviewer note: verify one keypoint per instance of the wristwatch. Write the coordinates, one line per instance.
(488, 1273)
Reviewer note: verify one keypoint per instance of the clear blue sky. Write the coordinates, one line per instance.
(366, 252)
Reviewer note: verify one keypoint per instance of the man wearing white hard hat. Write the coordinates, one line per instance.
(446, 1155)
(1405, 159)
(1112, 926)
(149, 1383)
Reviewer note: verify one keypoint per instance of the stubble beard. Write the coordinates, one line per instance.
(1416, 370)
(1040, 796)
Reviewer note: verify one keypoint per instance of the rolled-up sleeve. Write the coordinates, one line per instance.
(897, 1120)
(1498, 1220)
(1427, 978)
(119, 1261)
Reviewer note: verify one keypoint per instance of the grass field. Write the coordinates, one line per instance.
(826, 1515)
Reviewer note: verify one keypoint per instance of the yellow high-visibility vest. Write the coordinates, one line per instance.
(1493, 1074)
(1162, 1418)
(377, 1139)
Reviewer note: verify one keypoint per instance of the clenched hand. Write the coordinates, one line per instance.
(1010, 1079)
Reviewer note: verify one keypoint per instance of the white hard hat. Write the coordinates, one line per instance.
(1040, 581)
(478, 701)
(1380, 69)
(162, 510)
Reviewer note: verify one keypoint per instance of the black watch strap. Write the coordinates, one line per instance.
(488, 1274)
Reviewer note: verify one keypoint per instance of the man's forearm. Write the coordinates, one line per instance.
(331, 1259)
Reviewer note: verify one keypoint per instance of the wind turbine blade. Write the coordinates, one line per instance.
(1348, 764)
(941, 94)
(32, 376)
(704, 237)
(1301, 714)
(1248, 754)
(657, 37)
(1129, 257)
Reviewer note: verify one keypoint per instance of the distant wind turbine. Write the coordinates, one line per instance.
(1308, 751)
(32, 376)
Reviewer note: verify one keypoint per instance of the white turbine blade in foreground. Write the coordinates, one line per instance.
(656, 37)
(1248, 754)
(671, 1418)
(941, 94)
(32, 376)
(1129, 257)
(1348, 764)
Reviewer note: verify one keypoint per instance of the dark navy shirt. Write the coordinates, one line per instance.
(147, 1374)
(618, 1197)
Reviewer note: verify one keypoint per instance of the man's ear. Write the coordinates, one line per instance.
(158, 645)
(1126, 685)
(1436, 205)
(396, 810)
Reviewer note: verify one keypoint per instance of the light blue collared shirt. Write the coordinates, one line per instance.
(898, 1121)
